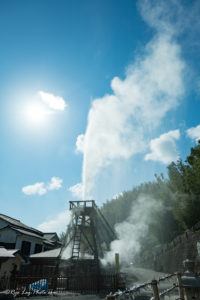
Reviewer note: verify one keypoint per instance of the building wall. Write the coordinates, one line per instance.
(9, 235)
(30, 239)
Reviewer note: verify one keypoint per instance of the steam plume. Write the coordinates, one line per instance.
(120, 124)
(132, 230)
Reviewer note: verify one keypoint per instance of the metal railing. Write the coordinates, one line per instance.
(152, 287)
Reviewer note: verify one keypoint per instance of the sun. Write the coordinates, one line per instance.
(36, 114)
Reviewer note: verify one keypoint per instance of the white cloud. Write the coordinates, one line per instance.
(41, 188)
(163, 148)
(76, 190)
(54, 102)
(194, 133)
(55, 184)
(37, 188)
(80, 143)
(58, 223)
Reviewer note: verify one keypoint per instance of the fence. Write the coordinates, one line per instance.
(42, 285)
(152, 288)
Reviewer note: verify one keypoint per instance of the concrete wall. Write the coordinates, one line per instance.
(170, 258)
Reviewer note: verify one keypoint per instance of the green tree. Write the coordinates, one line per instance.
(184, 181)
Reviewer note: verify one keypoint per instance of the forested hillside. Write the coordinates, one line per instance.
(178, 197)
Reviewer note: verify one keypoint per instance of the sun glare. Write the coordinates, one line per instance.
(36, 114)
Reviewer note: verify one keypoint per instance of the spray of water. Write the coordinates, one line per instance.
(120, 124)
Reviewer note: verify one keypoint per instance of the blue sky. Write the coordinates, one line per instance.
(96, 97)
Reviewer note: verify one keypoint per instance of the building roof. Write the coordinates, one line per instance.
(47, 254)
(19, 224)
(7, 253)
(47, 242)
(23, 231)
(13, 251)
(50, 236)
(26, 232)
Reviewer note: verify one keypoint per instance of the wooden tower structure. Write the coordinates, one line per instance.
(88, 237)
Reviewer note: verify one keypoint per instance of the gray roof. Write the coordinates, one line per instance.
(7, 253)
(52, 236)
(12, 251)
(26, 232)
(48, 242)
(19, 224)
(47, 254)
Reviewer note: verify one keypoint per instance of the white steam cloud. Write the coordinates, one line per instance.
(164, 149)
(119, 124)
(131, 231)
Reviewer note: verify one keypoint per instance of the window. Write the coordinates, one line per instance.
(25, 248)
(38, 248)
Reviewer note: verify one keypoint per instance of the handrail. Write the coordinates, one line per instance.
(153, 285)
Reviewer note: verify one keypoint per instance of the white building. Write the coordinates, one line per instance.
(16, 235)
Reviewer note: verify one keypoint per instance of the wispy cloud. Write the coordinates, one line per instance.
(76, 190)
(194, 133)
(121, 124)
(56, 223)
(41, 188)
(52, 101)
(37, 188)
(163, 148)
